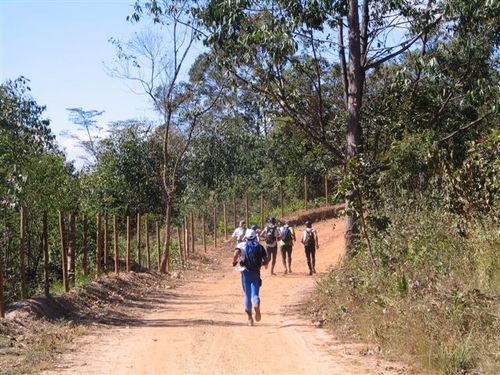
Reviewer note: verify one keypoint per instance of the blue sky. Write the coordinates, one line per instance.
(62, 46)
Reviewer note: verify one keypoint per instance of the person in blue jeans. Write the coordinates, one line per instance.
(251, 257)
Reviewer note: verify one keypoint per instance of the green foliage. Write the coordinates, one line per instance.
(126, 175)
(35, 175)
(433, 293)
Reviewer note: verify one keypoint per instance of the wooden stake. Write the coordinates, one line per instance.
(186, 238)
(2, 308)
(305, 192)
(98, 260)
(281, 201)
(225, 220)
(115, 246)
(179, 243)
(128, 257)
(105, 243)
(158, 244)
(85, 259)
(261, 211)
(148, 253)
(138, 238)
(204, 234)
(326, 191)
(72, 250)
(235, 212)
(63, 252)
(193, 236)
(22, 253)
(45, 249)
(215, 227)
(246, 208)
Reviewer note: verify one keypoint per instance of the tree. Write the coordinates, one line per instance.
(258, 42)
(157, 70)
(86, 119)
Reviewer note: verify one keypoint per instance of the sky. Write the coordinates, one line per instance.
(63, 46)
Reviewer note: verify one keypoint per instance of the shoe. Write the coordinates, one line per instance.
(289, 271)
(285, 272)
(310, 273)
(314, 270)
(273, 274)
(250, 322)
(257, 313)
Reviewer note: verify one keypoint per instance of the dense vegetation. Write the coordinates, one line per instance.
(267, 105)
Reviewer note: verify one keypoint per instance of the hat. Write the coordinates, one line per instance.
(253, 227)
(242, 222)
(308, 224)
(250, 234)
(272, 220)
(287, 223)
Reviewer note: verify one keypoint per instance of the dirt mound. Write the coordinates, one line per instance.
(323, 213)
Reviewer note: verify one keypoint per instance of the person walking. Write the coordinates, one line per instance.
(286, 246)
(251, 257)
(239, 232)
(311, 244)
(257, 234)
(271, 235)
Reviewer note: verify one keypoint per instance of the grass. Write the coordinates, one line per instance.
(433, 300)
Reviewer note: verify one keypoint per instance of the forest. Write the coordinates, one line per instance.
(393, 103)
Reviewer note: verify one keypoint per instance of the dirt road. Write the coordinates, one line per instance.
(200, 328)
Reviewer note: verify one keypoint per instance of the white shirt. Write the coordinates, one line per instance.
(239, 234)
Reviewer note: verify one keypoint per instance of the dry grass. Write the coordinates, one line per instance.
(433, 300)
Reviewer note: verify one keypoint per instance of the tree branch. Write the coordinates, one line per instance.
(452, 134)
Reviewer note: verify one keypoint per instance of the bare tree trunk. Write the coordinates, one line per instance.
(166, 241)
(354, 101)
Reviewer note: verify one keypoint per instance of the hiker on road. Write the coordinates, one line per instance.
(239, 233)
(271, 235)
(310, 241)
(251, 257)
(257, 234)
(286, 245)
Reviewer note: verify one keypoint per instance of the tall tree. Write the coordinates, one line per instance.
(86, 120)
(158, 70)
(257, 41)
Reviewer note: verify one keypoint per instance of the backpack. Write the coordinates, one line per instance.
(270, 235)
(309, 242)
(287, 235)
(252, 256)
